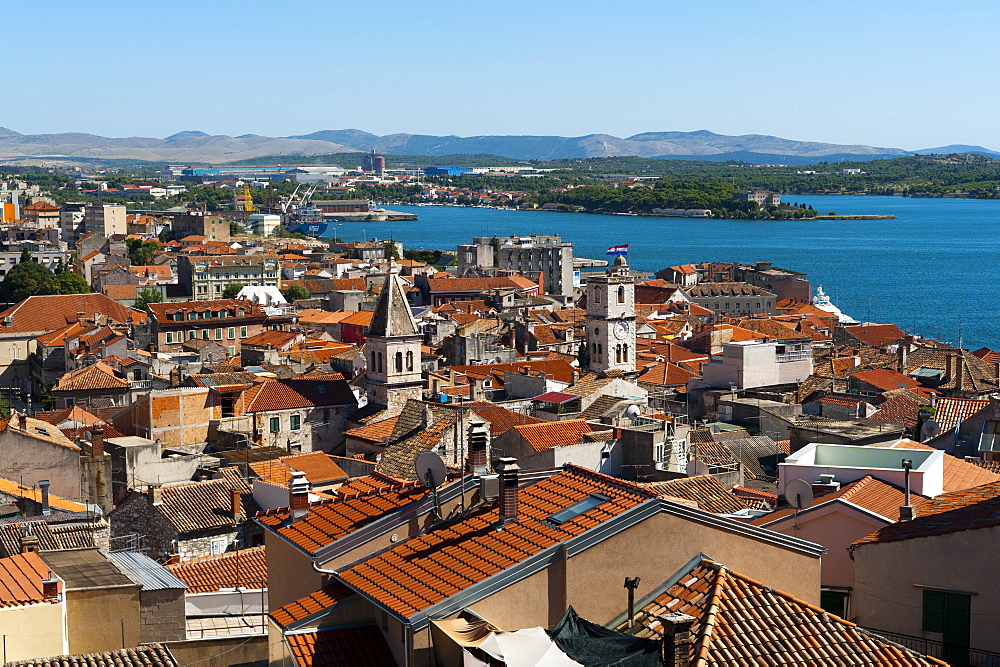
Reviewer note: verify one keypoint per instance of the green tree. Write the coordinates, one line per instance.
(140, 251)
(24, 280)
(147, 296)
(235, 228)
(295, 292)
(67, 282)
(231, 290)
(391, 251)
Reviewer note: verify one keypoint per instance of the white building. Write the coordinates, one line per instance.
(849, 463)
(749, 364)
(263, 224)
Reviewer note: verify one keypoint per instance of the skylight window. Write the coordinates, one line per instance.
(577, 508)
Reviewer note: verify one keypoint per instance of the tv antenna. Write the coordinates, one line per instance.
(431, 473)
(798, 494)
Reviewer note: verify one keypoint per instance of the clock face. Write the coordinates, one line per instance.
(621, 330)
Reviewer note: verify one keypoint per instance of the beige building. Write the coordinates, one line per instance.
(206, 277)
(32, 620)
(105, 219)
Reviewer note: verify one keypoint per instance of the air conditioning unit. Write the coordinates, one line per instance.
(260, 431)
(662, 465)
(489, 487)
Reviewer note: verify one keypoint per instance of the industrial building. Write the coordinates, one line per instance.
(549, 256)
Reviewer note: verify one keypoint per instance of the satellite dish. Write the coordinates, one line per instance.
(930, 429)
(430, 469)
(695, 468)
(799, 494)
(632, 411)
(715, 428)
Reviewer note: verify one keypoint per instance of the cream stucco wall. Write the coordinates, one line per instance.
(35, 631)
(887, 576)
(100, 619)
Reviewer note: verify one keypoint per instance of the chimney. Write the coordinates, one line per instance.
(97, 441)
(29, 542)
(44, 486)
(236, 505)
(50, 587)
(825, 484)
(508, 489)
(298, 495)
(960, 363)
(949, 368)
(155, 493)
(677, 639)
(906, 510)
(22, 421)
(175, 377)
(478, 442)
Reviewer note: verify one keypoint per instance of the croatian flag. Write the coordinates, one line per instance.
(618, 250)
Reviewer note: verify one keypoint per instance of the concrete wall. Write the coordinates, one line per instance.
(34, 631)
(220, 652)
(28, 460)
(887, 575)
(99, 620)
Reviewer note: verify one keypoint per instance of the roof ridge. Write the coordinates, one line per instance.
(711, 611)
(608, 479)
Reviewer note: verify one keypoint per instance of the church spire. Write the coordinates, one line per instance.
(392, 312)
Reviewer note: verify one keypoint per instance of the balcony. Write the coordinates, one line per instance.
(140, 385)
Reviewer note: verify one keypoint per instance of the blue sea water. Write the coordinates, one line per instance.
(933, 271)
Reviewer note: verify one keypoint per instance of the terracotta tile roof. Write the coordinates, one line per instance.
(147, 655)
(549, 434)
(430, 568)
(899, 409)
(446, 285)
(499, 418)
(741, 621)
(746, 491)
(666, 374)
(89, 378)
(318, 467)
(36, 428)
(362, 318)
(271, 338)
(374, 432)
(886, 379)
(348, 646)
(705, 490)
(868, 493)
(21, 580)
(196, 506)
(953, 411)
(330, 595)
(121, 292)
(246, 568)
(161, 311)
(968, 509)
(876, 335)
(313, 316)
(48, 313)
(987, 355)
(399, 457)
(357, 504)
(958, 474)
(272, 395)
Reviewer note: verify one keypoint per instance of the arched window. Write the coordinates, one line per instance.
(625, 353)
(595, 348)
(621, 295)
(600, 351)
(597, 295)
(409, 360)
(399, 362)
(378, 362)
(618, 354)
(597, 332)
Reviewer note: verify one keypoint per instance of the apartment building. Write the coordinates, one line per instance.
(206, 277)
(105, 219)
(548, 255)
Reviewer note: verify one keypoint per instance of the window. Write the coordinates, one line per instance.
(577, 508)
(399, 362)
(218, 334)
(243, 332)
(949, 614)
(170, 337)
(834, 602)
(232, 350)
(218, 545)
(232, 333)
(294, 422)
(275, 424)
(192, 334)
(597, 296)
(621, 295)
(409, 360)
(205, 333)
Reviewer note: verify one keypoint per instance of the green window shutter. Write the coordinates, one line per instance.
(957, 610)
(933, 611)
(275, 424)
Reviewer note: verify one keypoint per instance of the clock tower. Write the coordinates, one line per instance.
(611, 318)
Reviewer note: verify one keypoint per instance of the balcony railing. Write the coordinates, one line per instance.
(795, 356)
(954, 655)
(139, 385)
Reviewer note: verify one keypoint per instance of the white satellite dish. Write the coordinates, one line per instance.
(799, 494)
(930, 429)
(430, 469)
(715, 428)
(632, 411)
(695, 468)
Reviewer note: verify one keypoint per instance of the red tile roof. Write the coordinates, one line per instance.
(89, 378)
(431, 568)
(196, 506)
(876, 335)
(549, 434)
(349, 646)
(950, 412)
(705, 490)
(958, 474)
(500, 418)
(868, 493)
(270, 395)
(374, 432)
(557, 369)
(356, 505)
(318, 467)
(886, 379)
(331, 594)
(740, 621)
(48, 313)
(21, 580)
(899, 409)
(246, 568)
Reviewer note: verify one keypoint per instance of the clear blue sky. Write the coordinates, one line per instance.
(884, 73)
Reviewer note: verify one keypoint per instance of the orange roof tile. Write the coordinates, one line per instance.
(868, 493)
(432, 567)
(705, 490)
(347, 646)
(246, 568)
(958, 474)
(48, 313)
(92, 377)
(269, 395)
(318, 467)
(21, 580)
(330, 595)
(549, 434)
(374, 432)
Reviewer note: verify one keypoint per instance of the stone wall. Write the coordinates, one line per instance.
(161, 615)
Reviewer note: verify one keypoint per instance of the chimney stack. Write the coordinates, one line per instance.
(44, 486)
(22, 421)
(298, 495)
(906, 510)
(825, 484)
(508, 489)
(29, 542)
(478, 442)
(677, 639)
(97, 441)
(155, 494)
(236, 505)
(50, 587)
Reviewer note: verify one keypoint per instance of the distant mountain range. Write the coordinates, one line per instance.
(194, 146)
